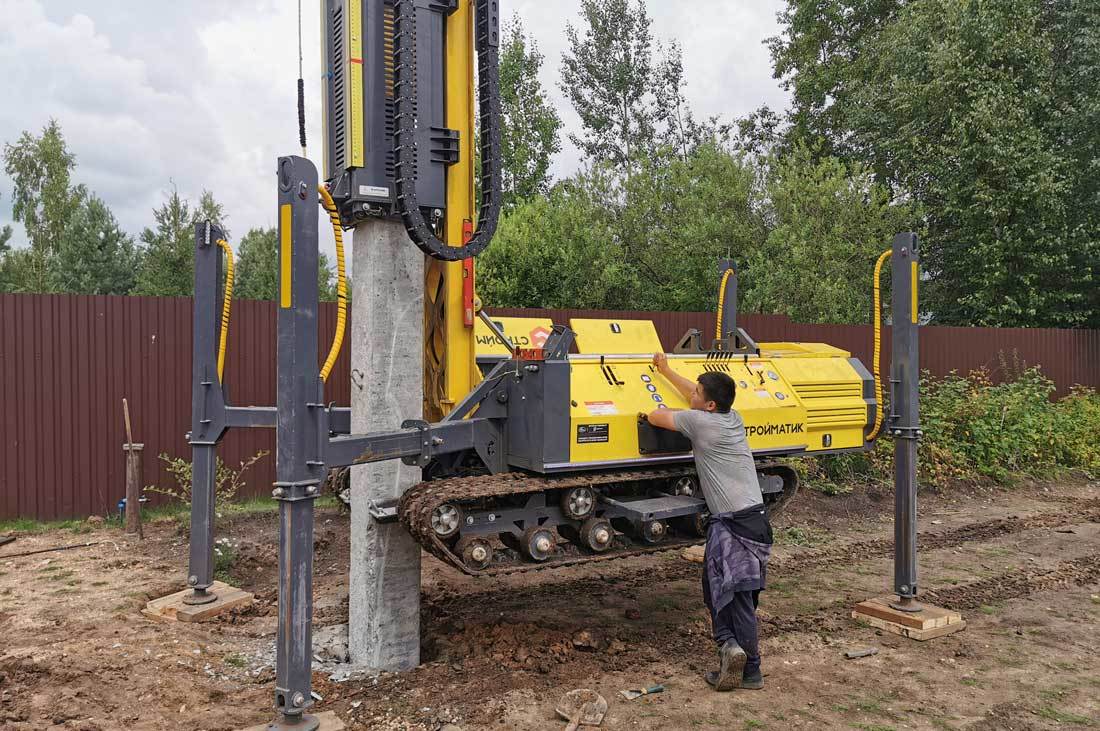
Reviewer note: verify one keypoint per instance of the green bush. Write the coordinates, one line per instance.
(977, 430)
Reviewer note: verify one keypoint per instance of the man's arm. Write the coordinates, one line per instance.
(663, 418)
(683, 385)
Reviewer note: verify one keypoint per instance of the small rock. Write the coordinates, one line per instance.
(95, 520)
(450, 727)
(585, 640)
(632, 613)
(616, 647)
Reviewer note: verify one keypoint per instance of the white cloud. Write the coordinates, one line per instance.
(202, 94)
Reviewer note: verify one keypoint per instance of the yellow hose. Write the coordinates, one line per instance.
(718, 334)
(227, 305)
(341, 284)
(878, 345)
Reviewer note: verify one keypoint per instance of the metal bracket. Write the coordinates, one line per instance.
(383, 511)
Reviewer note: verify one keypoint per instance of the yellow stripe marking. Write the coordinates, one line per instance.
(915, 273)
(286, 252)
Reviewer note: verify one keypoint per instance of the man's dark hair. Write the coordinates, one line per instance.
(719, 388)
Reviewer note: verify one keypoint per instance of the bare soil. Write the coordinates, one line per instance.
(1023, 566)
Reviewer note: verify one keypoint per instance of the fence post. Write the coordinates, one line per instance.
(133, 487)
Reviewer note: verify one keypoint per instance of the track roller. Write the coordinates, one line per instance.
(595, 534)
(476, 552)
(695, 525)
(653, 531)
(686, 485)
(446, 520)
(538, 543)
(578, 502)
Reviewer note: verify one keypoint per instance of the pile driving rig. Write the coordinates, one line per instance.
(546, 458)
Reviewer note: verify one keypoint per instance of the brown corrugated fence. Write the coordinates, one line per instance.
(68, 361)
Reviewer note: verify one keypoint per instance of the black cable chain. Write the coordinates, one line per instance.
(405, 125)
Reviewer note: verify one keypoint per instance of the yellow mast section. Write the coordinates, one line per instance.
(450, 370)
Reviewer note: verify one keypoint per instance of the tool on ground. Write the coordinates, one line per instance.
(133, 479)
(856, 654)
(5, 540)
(50, 550)
(582, 707)
(639, 692)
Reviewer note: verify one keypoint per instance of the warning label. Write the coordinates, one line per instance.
(601, 408)
(590, 433)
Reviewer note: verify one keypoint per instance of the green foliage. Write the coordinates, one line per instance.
(256, 275)
(529, 135)
(227, 481)
(168, 267)
(974, 428)
(826, 224)
(983, 112)
(559, 251)
(42, 199)
(95, 255)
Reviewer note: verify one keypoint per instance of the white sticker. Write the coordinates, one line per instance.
(374, 190)
(601, 408)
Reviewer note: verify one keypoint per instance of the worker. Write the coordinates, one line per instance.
(739, 536)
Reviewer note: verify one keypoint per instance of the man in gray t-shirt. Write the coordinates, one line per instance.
(738, 533)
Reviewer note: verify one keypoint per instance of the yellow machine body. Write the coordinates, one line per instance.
(794, 398)
(524, 332)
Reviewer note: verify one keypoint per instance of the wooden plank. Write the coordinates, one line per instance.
(329, 722)
(171, 608)
(929, 623)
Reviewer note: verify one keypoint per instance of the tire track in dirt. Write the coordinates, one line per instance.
(1018, 583)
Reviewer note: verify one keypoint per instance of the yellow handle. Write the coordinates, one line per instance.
(878, 345)
(718, 334)
(227, 305)
(341, 283)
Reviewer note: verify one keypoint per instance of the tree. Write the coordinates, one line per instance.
(529, 134)
(168, 265)
(256, 275)
(983, 112)
(95, 255)
(607, 75)
(560, 250)
(42, 200)
(826, 224)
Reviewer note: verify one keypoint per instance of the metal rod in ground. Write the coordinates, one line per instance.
(301, 429)
(905, 414)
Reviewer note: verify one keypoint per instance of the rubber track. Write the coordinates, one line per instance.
(420, 500)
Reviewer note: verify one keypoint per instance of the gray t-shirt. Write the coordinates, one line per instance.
(723, 459)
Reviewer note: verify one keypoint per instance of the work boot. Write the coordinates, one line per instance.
(731, 666)
(752, 680)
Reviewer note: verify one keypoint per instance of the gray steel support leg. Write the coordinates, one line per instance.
(207, 411)
(905, 415)
(201, 571)
(387, 376)
(299, 452)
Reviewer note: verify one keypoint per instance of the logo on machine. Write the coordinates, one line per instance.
(539, 336)
(767, 430)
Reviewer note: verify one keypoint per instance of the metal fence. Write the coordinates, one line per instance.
(67, 362)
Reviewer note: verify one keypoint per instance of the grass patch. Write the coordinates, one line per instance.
(795, 536)
(100, 583)
(971, 682)
(236, 660)
(1054, 714)
(751, 724)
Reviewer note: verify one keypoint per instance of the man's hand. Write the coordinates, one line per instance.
(683, 385)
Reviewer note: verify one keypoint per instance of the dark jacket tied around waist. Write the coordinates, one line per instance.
(738, 547)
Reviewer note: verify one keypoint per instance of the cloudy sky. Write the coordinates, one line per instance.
(201, 94)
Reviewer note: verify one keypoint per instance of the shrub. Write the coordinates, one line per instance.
(227, 481)
(975, 429)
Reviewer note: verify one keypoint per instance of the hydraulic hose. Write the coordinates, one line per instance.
(405, 131)
(879, 395)
(718, 334)
(341, 283)
(227, 305)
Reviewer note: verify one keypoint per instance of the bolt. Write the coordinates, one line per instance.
(542, 545)
(492, 517)
(298, 700)
(469, 520)
(602, 536)
(312, 489)
(192, 580)
(278, 492)
(479, 553)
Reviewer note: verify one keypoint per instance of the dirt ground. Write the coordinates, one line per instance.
(1022, 565)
